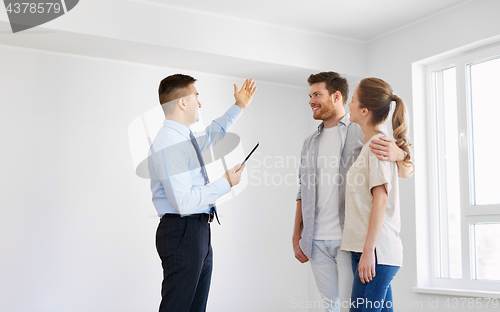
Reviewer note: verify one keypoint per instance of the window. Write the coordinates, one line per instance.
(447, 201)
(463, 178)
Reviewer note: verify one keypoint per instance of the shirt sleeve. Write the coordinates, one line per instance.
(299, 193)
(301, 165)
(218, 128)
(380, 172)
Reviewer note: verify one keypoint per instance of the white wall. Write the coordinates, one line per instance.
(85, 233)
(77, 226)
(391, 58)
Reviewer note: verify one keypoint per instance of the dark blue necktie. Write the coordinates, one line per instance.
(213, 209)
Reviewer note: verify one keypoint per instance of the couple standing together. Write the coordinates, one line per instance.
(347, 221)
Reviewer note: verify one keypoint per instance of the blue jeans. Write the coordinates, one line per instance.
(375, 295)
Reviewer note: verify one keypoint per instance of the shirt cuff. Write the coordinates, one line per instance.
(222, 185)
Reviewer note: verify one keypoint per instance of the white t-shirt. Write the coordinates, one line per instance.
(366, 173)
(326, 221)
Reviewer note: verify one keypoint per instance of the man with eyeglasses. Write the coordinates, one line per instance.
(182, 193)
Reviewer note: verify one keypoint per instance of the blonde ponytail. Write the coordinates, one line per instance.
(400, 129)
(376, 95)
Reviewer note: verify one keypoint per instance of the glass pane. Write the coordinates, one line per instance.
(485, 109)
(486, 251)
(448, 201)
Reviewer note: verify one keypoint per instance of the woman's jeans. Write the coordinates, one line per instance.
(375, 295)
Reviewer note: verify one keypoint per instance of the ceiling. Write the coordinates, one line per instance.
(357, 20)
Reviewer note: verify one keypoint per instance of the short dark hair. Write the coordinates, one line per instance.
(171, 87)
(334, 82)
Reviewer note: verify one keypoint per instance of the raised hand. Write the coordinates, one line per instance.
(244, 96)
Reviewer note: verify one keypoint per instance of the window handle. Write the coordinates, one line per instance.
(461, 140)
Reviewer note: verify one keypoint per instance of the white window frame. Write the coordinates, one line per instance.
(425, 186)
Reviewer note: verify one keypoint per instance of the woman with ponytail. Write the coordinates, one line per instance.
(372, 222)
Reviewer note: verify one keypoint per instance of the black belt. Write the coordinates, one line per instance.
(205, 217)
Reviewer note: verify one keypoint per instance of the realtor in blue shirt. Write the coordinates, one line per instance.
(182, 194)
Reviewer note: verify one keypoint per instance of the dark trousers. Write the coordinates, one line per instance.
(183, 245)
